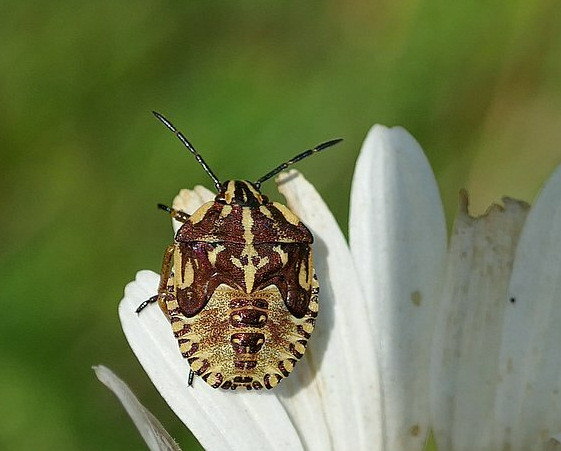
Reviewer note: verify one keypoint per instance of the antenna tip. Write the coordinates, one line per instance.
(164, 207)
(164, 121)
(327, 144)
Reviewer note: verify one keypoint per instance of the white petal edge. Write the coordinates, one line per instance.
(397, 235)
(221, 420)
(341, 348)
(152, 431)
(467, 337)
(529, 396)
(190, 200)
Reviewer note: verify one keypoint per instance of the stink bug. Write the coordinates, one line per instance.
(238, 284)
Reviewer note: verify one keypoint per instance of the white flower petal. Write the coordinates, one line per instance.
(152, 431)
(219, 419)
(470, 320)
(300, 394)
(341, 350)
(398, 242)
(529, 396)
(189, 200)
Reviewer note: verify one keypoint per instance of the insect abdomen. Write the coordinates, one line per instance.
(242, 339)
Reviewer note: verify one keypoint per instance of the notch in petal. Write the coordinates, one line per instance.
(469, 324)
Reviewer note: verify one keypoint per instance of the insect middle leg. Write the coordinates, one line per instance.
(165, 274)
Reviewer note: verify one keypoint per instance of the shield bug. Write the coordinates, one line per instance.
(238, 284)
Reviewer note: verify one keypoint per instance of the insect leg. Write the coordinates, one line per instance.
(178, 215)
(190, 380)
(165, 273)
(146, 303)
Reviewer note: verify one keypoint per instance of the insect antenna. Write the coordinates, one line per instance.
(297, 158)
(187, 144)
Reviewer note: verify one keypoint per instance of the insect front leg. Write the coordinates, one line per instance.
(178, 215)
(164, 277)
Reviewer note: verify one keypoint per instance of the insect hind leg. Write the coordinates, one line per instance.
(191, 376)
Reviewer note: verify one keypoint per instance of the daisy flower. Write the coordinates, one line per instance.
(417, 332)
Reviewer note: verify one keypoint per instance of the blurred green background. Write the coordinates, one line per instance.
(251, 83)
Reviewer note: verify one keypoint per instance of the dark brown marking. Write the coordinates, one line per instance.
(267, 380)
(203, 369)
(242, 379)
(218, 228)
(219, 379)
(185, 329)
(301, 331)
(244, 365)
(194, 348)
(226, 385)
(241, 303)
(257, 385)
(247, 342)
(248, 318)
(283, 370)
(294, 351)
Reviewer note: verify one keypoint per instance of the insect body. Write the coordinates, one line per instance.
(238, 285)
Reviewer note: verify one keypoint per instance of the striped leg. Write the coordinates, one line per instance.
(178, 215)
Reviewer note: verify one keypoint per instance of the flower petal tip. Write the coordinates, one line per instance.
(394, 137)
(152, 431)
(287, 176)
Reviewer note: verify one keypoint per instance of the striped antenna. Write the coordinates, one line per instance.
(187, 144)
(297, 158)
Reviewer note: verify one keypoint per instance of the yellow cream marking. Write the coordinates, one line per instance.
(226, 210)
(185, 346)
(282, 254)
(176, 326)
(177, 265)
(212, 379)
(249, 269)
(197, 365)
(213, 254)
(247, 224)
(265, 211)
(309, 328)
(303, 278)
(188, 275)
(313, 306)
(288, 215)
(200, 213)
(273, 380)
(230, 191)
(288, 365)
